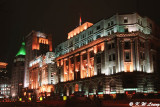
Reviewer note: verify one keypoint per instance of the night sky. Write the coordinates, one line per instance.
(58, 17)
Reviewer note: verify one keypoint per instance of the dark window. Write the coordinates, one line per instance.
(91, 54)
(99, 71)
(113, 46)
(143, 56)
(127, 56)
(150, 25)
(71, 44)
(125, 20)
(110, 58)
(98, 59)
(98, 36)
(67, 62)
(84, 56)
(141, 23)
(109, 46)
(72, 60)
(153, 57)
(99, 48)
(126, 30)
(110, 70)
(108, 24)
(138, 21)
(78, 58)
(98, 27)
(112, 32)
(51, 81)
(142, 68)
(113, 57)
(114, 69)
(141, 44)
(112, 23)
(52, 74)
(127, 45)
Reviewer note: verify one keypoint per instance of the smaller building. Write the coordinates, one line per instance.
(4, 81)
(42, 72)
(17, 80)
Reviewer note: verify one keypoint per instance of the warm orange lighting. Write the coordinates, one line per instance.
(43, 40)
(46, 88)
(95, 49)
(128, 66)
(58, 63)
(102, 46)
(3, 65)
(61, 62)
(76, 87)
(79, 29)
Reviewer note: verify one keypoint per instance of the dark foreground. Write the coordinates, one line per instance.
(86, 103)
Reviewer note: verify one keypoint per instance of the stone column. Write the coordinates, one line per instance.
(118, 58)
(148, 57)
(132, 57)
(137, 54)
(88, 64)
(122, 56)
(81, 74)
(95, 60)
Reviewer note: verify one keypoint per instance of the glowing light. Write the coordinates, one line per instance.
(76, 87)
(113, 92)
(20, 99)
(22, 50)
(41, 98)
(130, 89)
(90, 93)
(102, 46)
(64, 98)
(43, 40)
(3, 65)
(95, 49)
(79, 29)
(100, 92)
(30, 99)
(24, 93)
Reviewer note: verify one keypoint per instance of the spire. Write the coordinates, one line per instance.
(22, 50)
(80, 21)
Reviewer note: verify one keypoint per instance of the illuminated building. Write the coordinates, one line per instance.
(4, 81)
(114, 55)
(17, 80)
(43, 74)
(37, 44)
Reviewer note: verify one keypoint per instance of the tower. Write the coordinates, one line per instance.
(37, 43)
(17, 79)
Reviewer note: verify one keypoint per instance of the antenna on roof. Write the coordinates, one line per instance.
(80, 21)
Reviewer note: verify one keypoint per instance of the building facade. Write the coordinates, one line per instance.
(37, 43)
(115, 55)
(43, 75)
(5, 85)
(17, 79)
